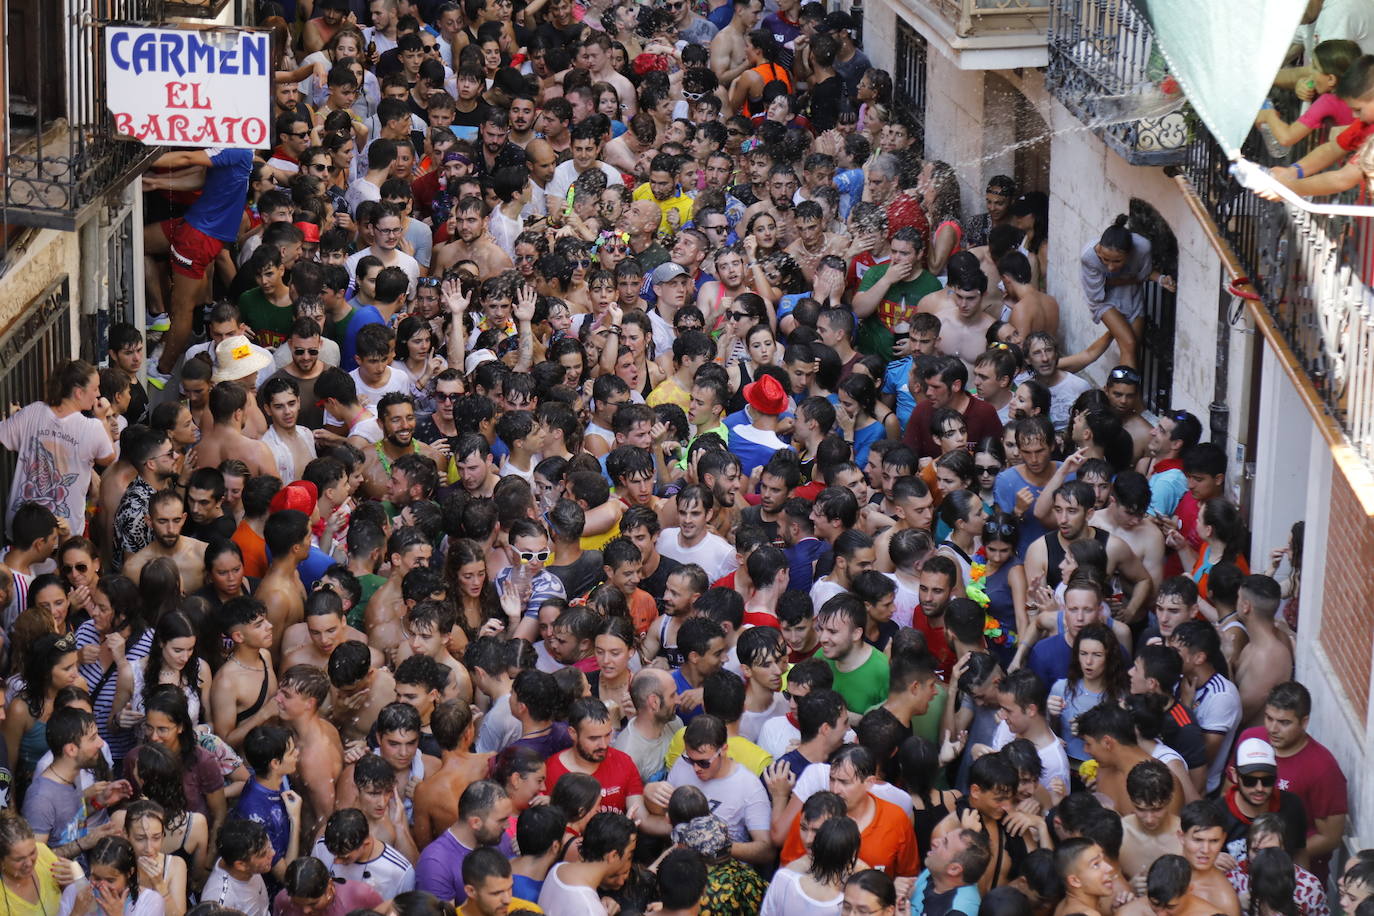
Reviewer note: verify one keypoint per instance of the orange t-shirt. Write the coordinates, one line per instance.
(888, 842)
(254, 550)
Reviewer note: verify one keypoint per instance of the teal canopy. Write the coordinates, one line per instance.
(1224, 54)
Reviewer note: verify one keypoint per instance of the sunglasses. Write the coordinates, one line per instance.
(683, 328)
(302, 351)
(703, 764)
(446, 396)
(1259, 779)
(739, 316)
(582, 262)
(988, 470)
(82, 568)
(529, 556)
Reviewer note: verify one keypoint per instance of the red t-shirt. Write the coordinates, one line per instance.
(618, 775)
(936, 644)
(1312, 774)
(980, 416)
(1353, 137)
(761, 619)
(887, 843)
(906, 211)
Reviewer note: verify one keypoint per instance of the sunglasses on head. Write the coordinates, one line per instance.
(429, 281)
(1124, 374)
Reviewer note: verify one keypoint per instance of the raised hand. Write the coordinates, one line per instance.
(454, 299)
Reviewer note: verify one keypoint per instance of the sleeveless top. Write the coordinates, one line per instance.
(768, 72)
(1054, 553)
(672, 654)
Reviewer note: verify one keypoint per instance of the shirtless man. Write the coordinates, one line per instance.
(1125, 518)
(728, 57)
(406, 549)
(398, 743)
(287, 534)
(470, 241)
(1087, 875)
(312, 641)
(1023, 304)
(1165, 889)
(429, 627)
(1267, 659)
(239, 692)
(782, 186)
(595, 57)
(300, 694)
(292, 444)
(227, 439)
(476, 471)
(1152, 831)
(396, 413)
(166, 516)
(114, 480)
(813, 243)
(360, 693)
(1123, 393)
(1202, 831)
(436, 798)
(374, 791)
(963, 323)
(1109, 738)
(633, 150)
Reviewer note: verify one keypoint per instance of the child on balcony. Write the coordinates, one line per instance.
(1333, 58)
(1308, 177)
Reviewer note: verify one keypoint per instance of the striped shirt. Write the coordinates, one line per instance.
(103, 687)
(389, 872)
(1216, 706)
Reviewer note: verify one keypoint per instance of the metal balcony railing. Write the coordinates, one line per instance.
(1313, 274)
(1105, 68)
(60, 155)
(980, 17)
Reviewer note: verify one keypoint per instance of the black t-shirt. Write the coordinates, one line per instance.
(935, 903)
(656, 583)
(472, 118)
(138, 403)
(753, 515)
(1290, 810)
(1182, 733)
(562, 37)
(221, 529)
(825, 104)
(581, 575)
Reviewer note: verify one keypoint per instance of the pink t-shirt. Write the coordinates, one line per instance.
(1327, 105)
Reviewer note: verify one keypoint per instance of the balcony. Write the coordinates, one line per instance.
(984, 34)
(1313, 275)
(1105, 69)
(59, 153)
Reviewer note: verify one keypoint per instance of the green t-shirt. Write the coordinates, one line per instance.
(864, 687)
(370, 583)
(271, 322)
(874, 336)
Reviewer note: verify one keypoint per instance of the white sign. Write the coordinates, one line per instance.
(190, 87)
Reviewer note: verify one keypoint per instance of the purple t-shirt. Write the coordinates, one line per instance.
(440, 869)
(219, 208)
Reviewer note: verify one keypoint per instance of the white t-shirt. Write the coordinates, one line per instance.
(403, 261)
(388, 873)
(567, 173)
(816, 778)
(568, 900)
(905, 602)
(286, 461)
(503, 231)
(399, 380)
(823, 590)
(1352, 20)
(752, 723)
(500, 729)
(360, 190)
(249, 897)
(54, 460)
(787, 897)
(149, 902)
(1217, 710)
(738, 799)
(1054, 761)
(712, 553)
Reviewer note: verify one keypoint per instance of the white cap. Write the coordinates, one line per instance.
(1255, 754)
(475, 359)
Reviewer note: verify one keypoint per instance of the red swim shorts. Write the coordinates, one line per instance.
(192, 251)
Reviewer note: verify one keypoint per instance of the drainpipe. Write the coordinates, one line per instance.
(1219, 413)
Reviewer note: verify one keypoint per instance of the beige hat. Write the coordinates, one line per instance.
(235, 357)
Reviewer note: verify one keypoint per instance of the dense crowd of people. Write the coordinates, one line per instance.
(591, 464)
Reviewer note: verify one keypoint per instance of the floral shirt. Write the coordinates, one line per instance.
(732, 889)
(1310, 895)
(131, 527)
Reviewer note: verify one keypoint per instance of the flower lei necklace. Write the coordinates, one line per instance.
(993, 631)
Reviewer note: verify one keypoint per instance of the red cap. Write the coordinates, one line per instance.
(766, 396)
(300, 495)
(311, 231)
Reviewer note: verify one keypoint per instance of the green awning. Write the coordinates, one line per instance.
(1224, 54)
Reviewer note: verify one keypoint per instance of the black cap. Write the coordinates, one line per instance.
(838, 21)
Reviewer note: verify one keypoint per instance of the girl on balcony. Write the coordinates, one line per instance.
(1332, 59)
(1113, 272)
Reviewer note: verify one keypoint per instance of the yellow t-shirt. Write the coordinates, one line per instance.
(669, 391)
(741, 750)
(49, 894)
(681, 203)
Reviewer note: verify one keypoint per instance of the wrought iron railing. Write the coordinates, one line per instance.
(1313, 274)
(980, 17)
(909, 82)
(60, 150)
(1157, 349)
(1105, 68)
(29, 352)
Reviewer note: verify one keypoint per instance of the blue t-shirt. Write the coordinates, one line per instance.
(682, 687)
(312, 568)
(851, 185)
(1049, 658)
(1009, 483)
(722, 16)
(264, 805)
(219, 209)
(789, 302)
(897, 381)
(864, 439)
(1166, 489)
(523, 887)
(801, 562)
